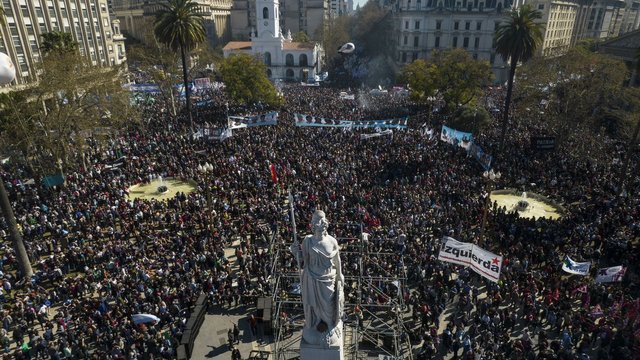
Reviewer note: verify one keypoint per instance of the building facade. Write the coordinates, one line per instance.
(306, 16)
(284, 58)
(559, 18)
(137, 17)
(89, 22)
(598, 20)
(428, 25)
(338, 8)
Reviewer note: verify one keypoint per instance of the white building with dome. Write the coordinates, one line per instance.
(284, 58)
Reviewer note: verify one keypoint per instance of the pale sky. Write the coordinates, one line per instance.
(356, 2)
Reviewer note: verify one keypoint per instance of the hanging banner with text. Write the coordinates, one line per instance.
(543, 142)
(309, 120)
(240, 122)
(456, 137)
(212, 134)
(481, 261)
(483, 158)
(611, 274)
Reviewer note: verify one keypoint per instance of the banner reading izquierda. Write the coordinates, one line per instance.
(481, 261)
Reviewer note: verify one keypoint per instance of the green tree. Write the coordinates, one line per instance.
(179, 26)
(517, 39)
(471, 119)
(580, 88)
(422, 78)
(46, 123)
(460, 77)
(58, 41)
(301, 36)
(246, 81)
(452, 74)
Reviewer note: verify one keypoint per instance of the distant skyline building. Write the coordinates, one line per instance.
(137, 17)
(89, 22)
(307, 16)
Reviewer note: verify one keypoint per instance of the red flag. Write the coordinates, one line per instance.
(582, 289)
(274, 173)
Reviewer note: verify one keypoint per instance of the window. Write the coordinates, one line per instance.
(456, 25)
(406, 41)
(438, 24)
(540, 6)
(476, 43)
(289, 60)
(465, 42)
(265, 13)
(289, 74)
(269, 73)
(417, 27)
(414, 57)
(416, 39)
(404, 57)
(406, 24)
(455, 42)
(437, 43)
(475, 56)
(303, 60)
(267, 58)
(479, 25)
(467, 25)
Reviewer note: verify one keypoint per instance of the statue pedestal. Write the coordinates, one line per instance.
(318, 352)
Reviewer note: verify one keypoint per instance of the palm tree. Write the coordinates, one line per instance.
(517, 39)
(179, 27)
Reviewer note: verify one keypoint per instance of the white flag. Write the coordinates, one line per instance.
(483, 262)
(578, 268)
(611, 274)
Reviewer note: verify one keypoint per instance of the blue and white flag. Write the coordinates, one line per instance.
(309, 120)
(578, 268)
(240, 122)
(610, 274)
(456, 137)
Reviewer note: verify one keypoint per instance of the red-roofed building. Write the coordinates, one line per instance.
(285, 59)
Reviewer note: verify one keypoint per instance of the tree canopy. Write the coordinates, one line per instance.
(48, 122)
(57, 41)
(452, 74)
(246, 81)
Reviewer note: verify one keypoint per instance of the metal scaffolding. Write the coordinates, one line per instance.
(378, 332)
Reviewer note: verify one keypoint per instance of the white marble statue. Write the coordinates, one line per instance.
(321, 277)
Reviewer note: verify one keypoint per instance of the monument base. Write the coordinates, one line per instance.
(317, 352)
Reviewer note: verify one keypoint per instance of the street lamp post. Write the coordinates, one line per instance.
(490, 177)
(7, 75)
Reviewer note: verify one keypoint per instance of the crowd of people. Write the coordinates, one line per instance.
(100, 256)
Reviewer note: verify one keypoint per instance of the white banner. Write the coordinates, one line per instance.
(240, 122)
(483, 262)
(578, 268)
(611, 274)
(382, 133)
